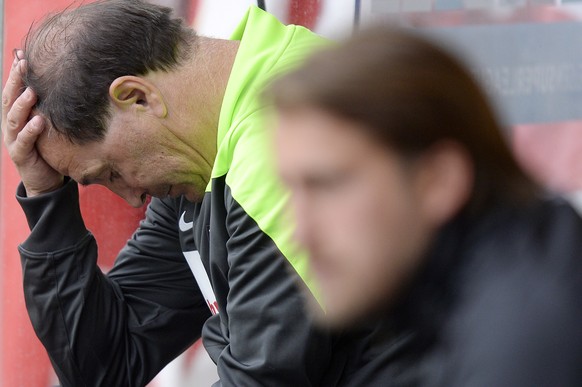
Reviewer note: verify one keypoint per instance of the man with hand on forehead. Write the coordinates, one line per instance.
(119, 93)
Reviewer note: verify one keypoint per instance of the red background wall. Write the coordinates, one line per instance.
(23, 361)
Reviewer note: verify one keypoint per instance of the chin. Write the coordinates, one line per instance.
(193, 197)
(334, 316)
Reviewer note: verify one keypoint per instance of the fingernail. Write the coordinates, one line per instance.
(30, 92)
(36, 122)
(18, 54)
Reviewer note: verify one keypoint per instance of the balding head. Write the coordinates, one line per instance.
(74, 56)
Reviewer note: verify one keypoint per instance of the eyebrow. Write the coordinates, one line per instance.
(89, 178)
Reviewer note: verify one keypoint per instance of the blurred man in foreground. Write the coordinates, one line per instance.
(414, 211)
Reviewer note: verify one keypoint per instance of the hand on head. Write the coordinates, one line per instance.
(21, 129)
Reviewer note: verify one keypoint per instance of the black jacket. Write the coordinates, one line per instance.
(498, 303)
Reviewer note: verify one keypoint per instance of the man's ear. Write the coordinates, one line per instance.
(131, 91)
(444, 181)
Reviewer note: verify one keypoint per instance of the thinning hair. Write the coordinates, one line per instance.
(73, 57)
(409, 94)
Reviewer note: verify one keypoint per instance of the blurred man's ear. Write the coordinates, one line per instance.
(131, 91)
(444, 181)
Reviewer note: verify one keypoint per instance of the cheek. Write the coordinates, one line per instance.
(386, 234)
(375, 250)
(139, 171)
(375, 219)
(360, 275)
(371, 241)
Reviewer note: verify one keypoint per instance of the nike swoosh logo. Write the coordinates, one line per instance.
(185, 226)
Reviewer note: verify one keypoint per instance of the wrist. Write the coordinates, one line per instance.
(32, 192)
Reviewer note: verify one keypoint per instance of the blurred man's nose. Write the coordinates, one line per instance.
(304, 223)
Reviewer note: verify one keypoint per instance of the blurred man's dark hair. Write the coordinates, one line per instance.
(410, 94)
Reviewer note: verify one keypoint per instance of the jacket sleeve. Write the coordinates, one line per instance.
(272, 339)
(115, 329)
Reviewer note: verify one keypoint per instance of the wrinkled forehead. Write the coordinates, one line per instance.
(82, 162)
(66, 157)
(53, 146)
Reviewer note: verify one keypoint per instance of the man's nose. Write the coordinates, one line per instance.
(135, 197)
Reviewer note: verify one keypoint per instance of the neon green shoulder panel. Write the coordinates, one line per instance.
(245, 150)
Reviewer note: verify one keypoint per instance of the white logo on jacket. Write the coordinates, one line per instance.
(183, 225)
(201, 276)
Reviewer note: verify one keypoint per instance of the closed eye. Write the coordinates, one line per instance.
(326, 182)
(113, 175)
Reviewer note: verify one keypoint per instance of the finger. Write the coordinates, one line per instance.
(14, 86)
(18, 56)
(23, 147)
(18, 115)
